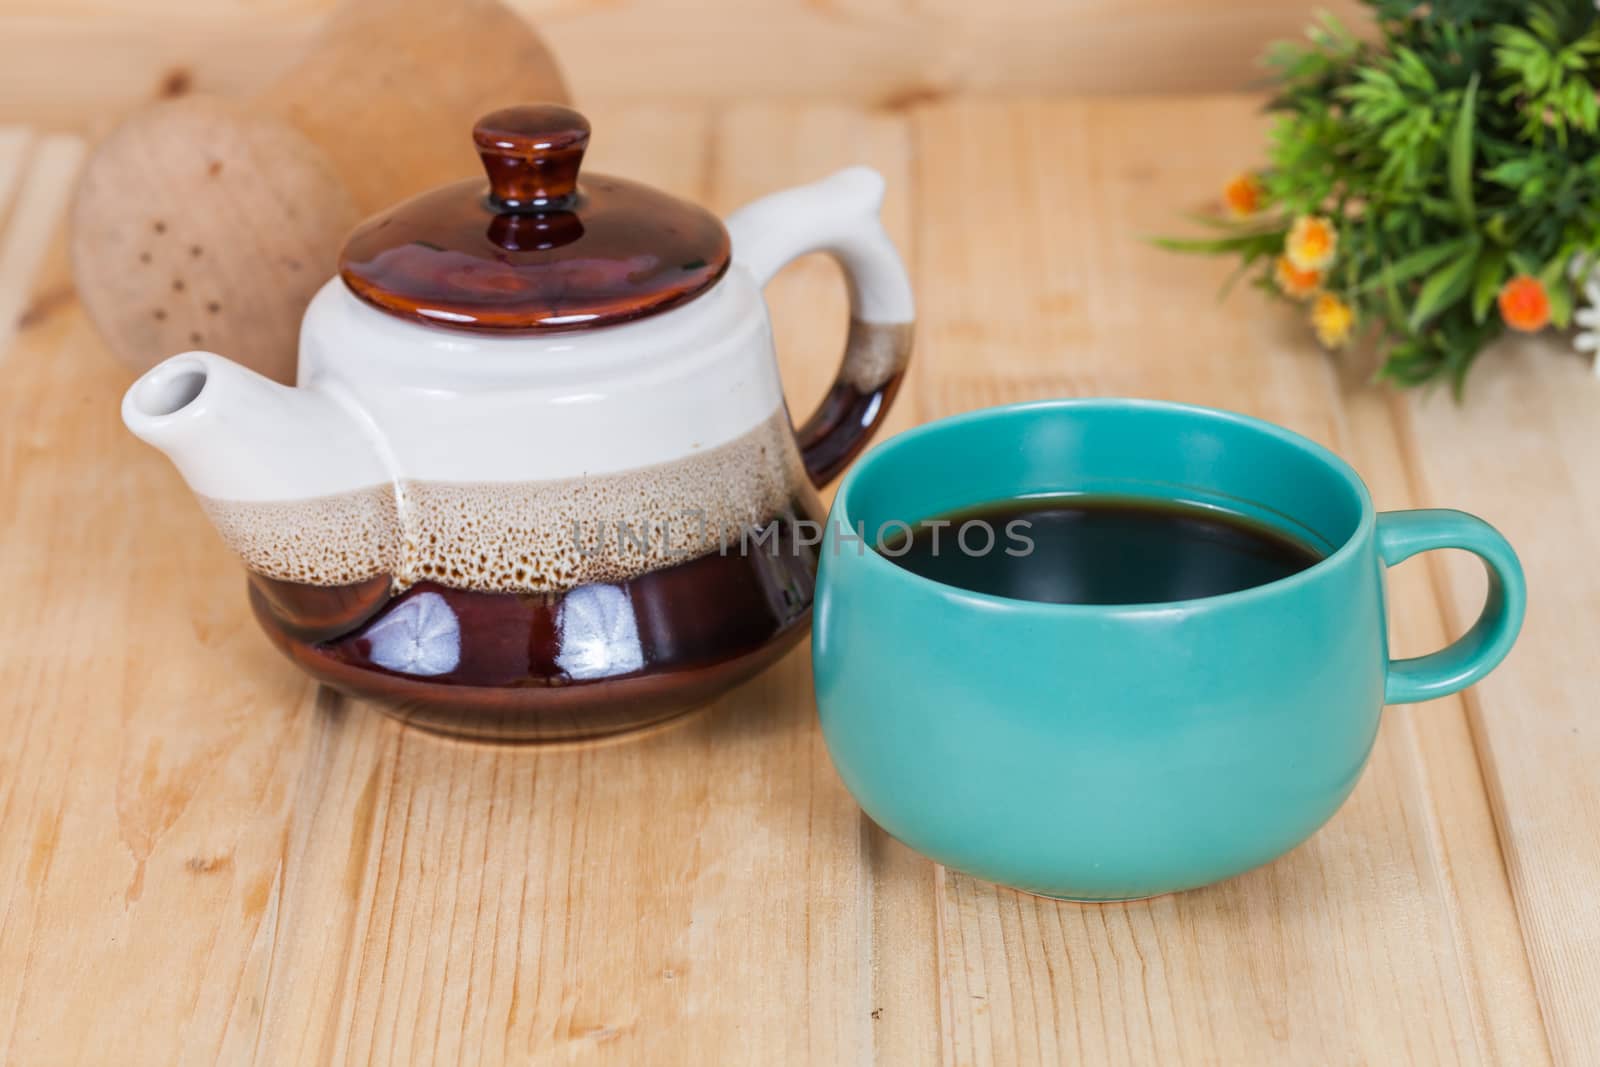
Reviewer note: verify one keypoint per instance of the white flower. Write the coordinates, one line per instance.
(1586, 275)
(421, 636)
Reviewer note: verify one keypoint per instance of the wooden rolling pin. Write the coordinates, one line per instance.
(206, 222)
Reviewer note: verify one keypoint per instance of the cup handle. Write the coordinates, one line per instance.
(839, 216)
(1403, 534)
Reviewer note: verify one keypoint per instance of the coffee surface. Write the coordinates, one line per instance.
(1097, 550)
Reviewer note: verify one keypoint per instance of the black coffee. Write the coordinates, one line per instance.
(1097, 550)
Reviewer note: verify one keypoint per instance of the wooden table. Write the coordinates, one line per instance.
(204, 858)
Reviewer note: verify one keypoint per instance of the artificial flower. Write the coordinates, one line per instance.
(1524, 304)
(1446, 139)
(1333, 320)
(1586, 277)
(1295, 283)
(1242, 195)
(1312, 243)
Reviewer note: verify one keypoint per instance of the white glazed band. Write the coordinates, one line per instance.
(383, 399)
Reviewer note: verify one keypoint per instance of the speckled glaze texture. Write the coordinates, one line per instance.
(1116, 752)
(524, 537)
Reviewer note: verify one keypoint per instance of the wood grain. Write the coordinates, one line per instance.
(1058, 295)
(1523, 449)
(878, 52)
(205, 859)
(40, 198)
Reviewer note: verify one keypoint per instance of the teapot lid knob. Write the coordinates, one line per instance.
(532, 154)
(540, 253)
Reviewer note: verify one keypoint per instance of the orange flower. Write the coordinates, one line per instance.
(1295, 283)
(1312, 243)
(1524, 304)
(1242, 195)
(1333, 320)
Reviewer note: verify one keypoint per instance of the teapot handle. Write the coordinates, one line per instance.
(839, 216)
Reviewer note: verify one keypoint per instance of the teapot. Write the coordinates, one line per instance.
(536, 479)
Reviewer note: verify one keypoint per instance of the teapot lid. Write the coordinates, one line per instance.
(539, 251)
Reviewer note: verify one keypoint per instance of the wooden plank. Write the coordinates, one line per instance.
(759, 148)
(40, 202)
(701, 896)
(290, 878)
(1438, 746)
(863, 51)
(143, 798)
(1352, 948)
(13, 151)
(1438, 740)
(1522, 451)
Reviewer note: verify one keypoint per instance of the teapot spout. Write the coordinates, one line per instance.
(236, 435)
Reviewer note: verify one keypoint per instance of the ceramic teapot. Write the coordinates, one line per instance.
(537, 479)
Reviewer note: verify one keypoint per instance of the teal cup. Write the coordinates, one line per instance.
(1113, 752)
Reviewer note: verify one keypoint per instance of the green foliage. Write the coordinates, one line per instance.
(1459, 148)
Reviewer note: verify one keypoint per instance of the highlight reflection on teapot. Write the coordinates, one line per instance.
(537, 430)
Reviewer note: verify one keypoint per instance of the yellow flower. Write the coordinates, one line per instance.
(1312, 243)
(1295, 283)
(1242, 195)
(1333, 320)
